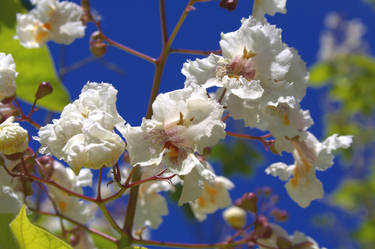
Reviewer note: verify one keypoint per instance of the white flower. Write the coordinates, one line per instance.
(270, 7)
(235, 217)
(13, 138)
(184, 122)
(214, 196)
(309, 155)
(84, 135)
(50, 20)
(151, 206)
(256, 69)
(11, 196)
(69, 205)
(8, 76)
(298, 239)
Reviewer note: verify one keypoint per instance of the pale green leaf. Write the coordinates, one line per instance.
(6, 237)
(33, 65)
(30, 236)
(321, 73)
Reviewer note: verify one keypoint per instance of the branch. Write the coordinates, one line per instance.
(193, 51)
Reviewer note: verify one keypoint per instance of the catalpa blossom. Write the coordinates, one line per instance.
(50, 20)
(297, 240)
(151, 206)
(84, 135)
(309, 155)
(270, 7)
(214, 196)
(256, 68)
(8, 76)
(67, 205)
(184, 122)
(13, 138)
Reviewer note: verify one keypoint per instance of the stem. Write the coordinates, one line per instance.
(99, 194)
(132, 203)
(188, 245)
(129, 50)
(195, 52)
(163, 22)
(109, 218)
(160, 63)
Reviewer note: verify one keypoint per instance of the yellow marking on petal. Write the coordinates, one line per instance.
(295, 179)
(62, 206)
(247, 54)
(41, 36)
(47, 25)
(201, 201)
(181, 120)
(211, 192)
(286, 120)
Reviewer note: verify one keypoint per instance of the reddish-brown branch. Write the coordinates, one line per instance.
(195, 52)
(262, 139)
(163, 22)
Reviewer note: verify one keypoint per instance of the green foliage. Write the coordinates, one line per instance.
(30, 236)
(351, 77)
(236, 158)
(6, 237)
(33, 65)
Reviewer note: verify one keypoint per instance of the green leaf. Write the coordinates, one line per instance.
(236, 158)
(30, 236)
(321, 73)
(33, 65)
(6, 237)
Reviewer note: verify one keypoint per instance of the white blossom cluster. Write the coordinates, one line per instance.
(8, 76)
(50, 20)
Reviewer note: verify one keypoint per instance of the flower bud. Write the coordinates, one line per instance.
(97, 46)
(13, 138)
(44, 89)
(279, 215)
(261, 228)
(248, 202)
(235, 217)
(228, 4)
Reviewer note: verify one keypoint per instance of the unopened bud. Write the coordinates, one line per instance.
(97, 46)
(261, 228)
(248, 202)
(228, 4)
(235, 217)
(279, 215)
(44, 89)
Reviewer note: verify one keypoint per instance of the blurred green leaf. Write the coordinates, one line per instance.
(321, 73)
(102, 243)
(33, 65)
(6, 236)
(236, 158)
(30, 236)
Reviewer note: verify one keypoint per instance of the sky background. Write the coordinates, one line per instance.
(136, 24)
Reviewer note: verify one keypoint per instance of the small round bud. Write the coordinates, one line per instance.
(44, 89)
(97, 46)
(279, 215)
(13, 138)
(248, 202)
(228, 4)
(235, 217)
